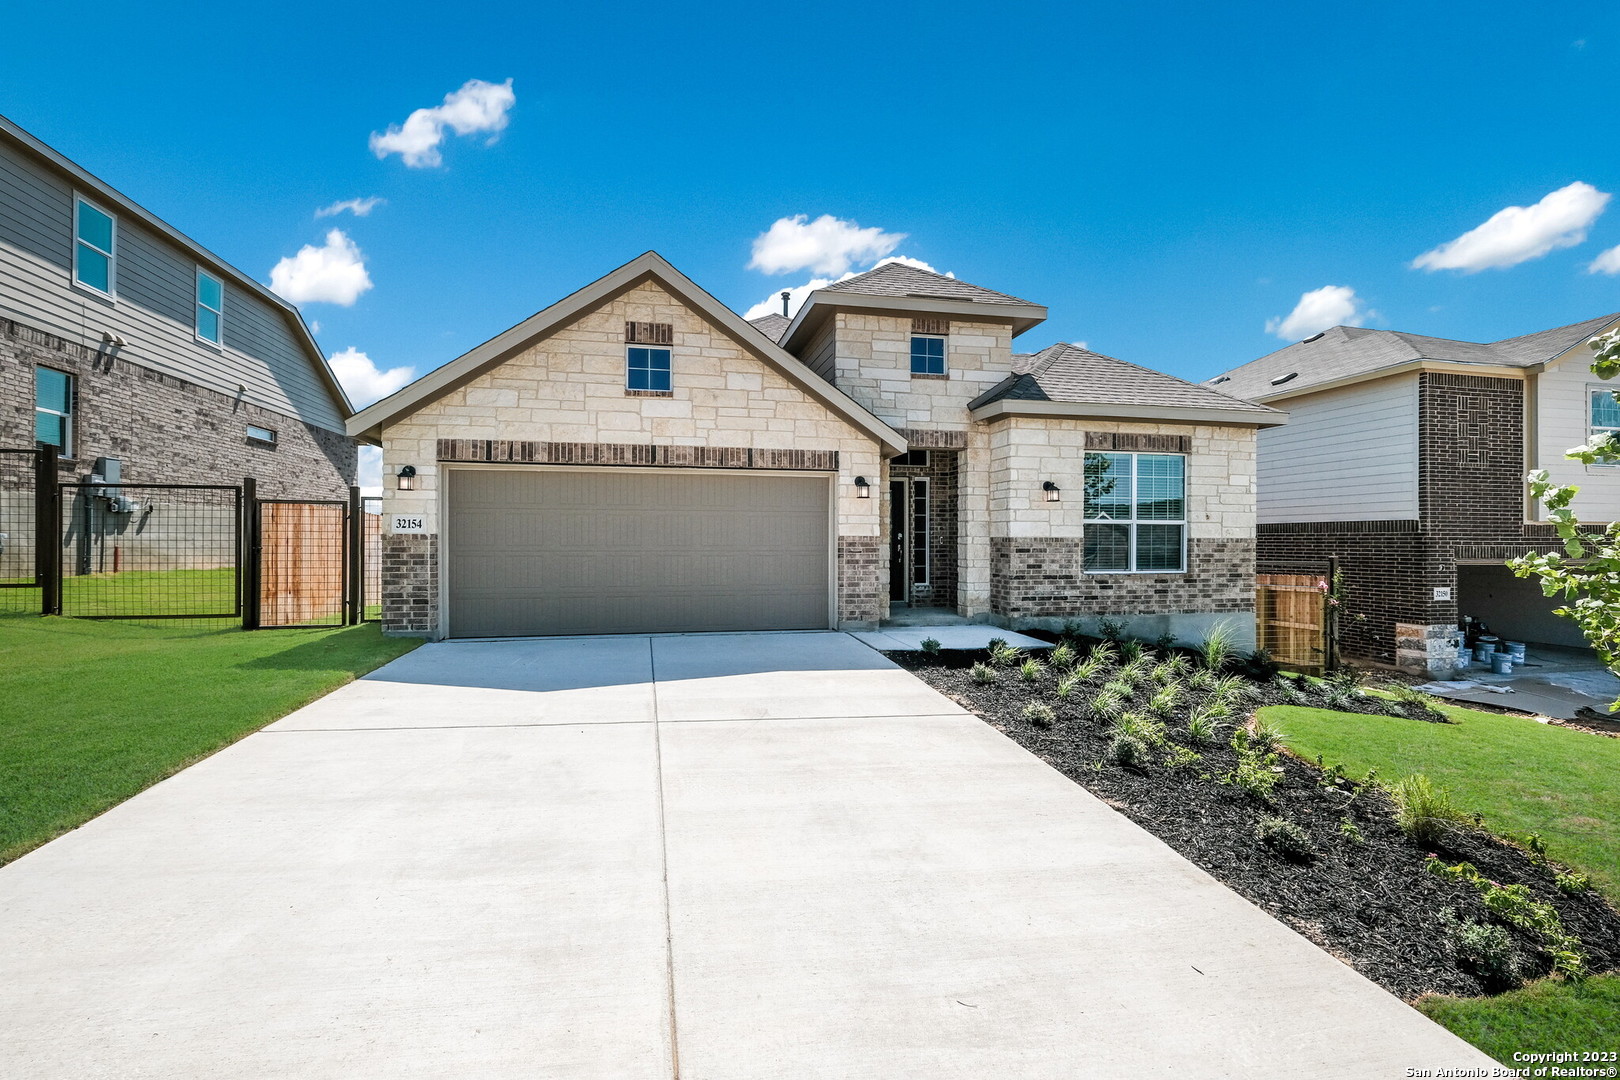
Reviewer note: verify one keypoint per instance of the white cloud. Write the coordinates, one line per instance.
(477, 106)
(363, 380)
(370, 478)
(772, 305)
(1317, 310)
(314, 326)
(334, 273)
(1607, 262)
(825, 246)
(1520, 233)
(357, 207)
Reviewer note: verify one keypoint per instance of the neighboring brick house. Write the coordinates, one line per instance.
(128, 346)
(636, 457)
(1406, 458)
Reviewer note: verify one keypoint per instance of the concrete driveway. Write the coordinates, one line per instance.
(750, 856)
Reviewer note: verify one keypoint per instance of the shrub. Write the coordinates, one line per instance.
(1165, 701)
(1127, 751)
(1258, 666)
(1137, 670)
(931, 646)
(1004, 655)
(1418, 705)
(1572, 883)
(1090, 667)
(1132, 650)
(1233, 689)
(1484, 947)
(1067, 685)
(1140, 726)
(1040, 714)
(1031, 670)
(1063, 656)
(1513, 904)
(1107, 704)
(983, 674)
(1286, 838)
(1264, 737)
(1201, 679)
(1071, 629)
(1219, 646)
(1204, 726)
(1105, 653)
(1120, 687)
(1111, 629)
(1341, 699)
(1181, 757)
(1171, 670)
(1288, 690)
(1424, 810)
(1164, 643)
(1255, 773)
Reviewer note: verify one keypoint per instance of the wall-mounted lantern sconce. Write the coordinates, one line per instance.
(1052, 492)
(407, 477)
(863, 490)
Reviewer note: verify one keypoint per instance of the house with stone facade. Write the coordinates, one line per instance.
(638, 458)
(125, 342)
(1406, 459)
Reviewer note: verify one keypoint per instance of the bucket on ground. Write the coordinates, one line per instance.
(1501, 663)
(1516, 650)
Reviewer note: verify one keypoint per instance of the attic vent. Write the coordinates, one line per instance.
(649, 333)
(931, 326)
(1314, 337)
(1279, 380)
(1217, 380)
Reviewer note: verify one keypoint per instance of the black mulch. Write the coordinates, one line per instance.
(1371, 903)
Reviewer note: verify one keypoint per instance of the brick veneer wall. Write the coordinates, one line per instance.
(1043, 577)
(410, 565)
(164, 429)
(862, 580)
(942, 517)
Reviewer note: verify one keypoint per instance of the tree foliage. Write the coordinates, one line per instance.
(1587, 573)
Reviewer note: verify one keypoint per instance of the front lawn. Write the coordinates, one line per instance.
(1524, 777)
(97, 711)
(1546, 1017)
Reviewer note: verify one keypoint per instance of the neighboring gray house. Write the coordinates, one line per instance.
(122, 338)
(636, 457)
(1406, 458)
(125, 343)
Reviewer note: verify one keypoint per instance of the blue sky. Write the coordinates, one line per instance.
(1167, 178)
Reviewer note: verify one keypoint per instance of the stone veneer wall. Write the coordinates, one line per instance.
(165, 430)
(728, 407)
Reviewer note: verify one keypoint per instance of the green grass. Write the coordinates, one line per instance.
(138, 593)
(1548, 1016)
(97, 711)
(1523, 776)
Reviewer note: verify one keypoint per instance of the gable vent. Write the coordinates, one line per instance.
(649, 333)
(1279, 380)
(931, 326)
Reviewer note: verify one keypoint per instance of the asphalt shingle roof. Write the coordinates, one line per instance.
(1065, 372)
(1348, 351)
(898, 279)
(772, 326)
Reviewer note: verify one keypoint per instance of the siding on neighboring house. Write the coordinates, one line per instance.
(1562, 403)
(154, 284)
(1345, 455)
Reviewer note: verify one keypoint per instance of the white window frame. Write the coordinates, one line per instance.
(1592, 426)
(80, 201)
(66, 449)
(198, 306)
(1133, 521)
(944, 356)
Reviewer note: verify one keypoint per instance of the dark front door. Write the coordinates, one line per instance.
(899, 534)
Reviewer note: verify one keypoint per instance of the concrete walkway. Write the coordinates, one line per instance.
(709, 857)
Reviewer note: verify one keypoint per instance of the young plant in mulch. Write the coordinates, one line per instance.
(1323, 851)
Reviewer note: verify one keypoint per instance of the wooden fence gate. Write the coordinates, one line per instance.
(1291, 620)
(304, 568)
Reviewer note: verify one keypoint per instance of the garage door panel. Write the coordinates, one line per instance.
(532, 551)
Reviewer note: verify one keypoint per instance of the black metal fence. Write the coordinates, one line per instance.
(139, 551)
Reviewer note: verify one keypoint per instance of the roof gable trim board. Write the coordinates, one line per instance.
(1022, 316)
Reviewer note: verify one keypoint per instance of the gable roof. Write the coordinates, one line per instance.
(370, 421)
(1073, 381)
(900, 287)
(128, 207)
(1351, 353)
(901, 279)
(772, 326)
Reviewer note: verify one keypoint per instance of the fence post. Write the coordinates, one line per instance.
(355, 593)
(1332, 628)
(249, 574)
(47, 522)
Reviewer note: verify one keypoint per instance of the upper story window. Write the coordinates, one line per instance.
(1605, 418)
(1136, 513)
(210, 306)
(94, 247)
(927, 354)
(647, 359)
(261, 434)
(53, 409)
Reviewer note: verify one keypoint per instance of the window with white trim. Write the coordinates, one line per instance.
(53, 409)
(95, 247)
(1136, 513)
(1603, 417)
(210, 307)
(648, 369)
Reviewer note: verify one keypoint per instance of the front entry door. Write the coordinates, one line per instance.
(899, 533)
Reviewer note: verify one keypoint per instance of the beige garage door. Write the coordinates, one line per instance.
(539, 551)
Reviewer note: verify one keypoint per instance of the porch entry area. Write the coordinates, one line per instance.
(922, 529)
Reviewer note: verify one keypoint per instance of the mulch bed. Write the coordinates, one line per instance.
(1372, 903)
